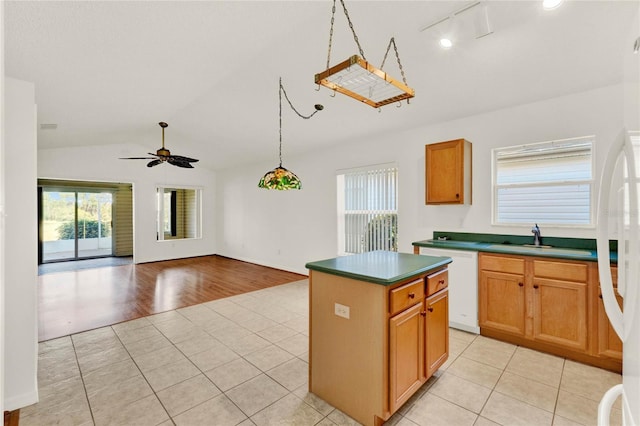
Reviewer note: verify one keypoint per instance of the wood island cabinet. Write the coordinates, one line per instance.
(437, 331)
(369, 360)
(418, 336)
(406, 355)
(448, 172)
(545, 304)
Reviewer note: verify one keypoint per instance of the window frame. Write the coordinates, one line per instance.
(340, 198)
(162, 235)
(495, 187)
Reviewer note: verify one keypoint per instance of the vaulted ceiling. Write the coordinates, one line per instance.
(107, 72)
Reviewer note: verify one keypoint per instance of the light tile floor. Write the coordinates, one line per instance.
(243, 360)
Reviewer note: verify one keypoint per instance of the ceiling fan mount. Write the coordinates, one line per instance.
(163, 155)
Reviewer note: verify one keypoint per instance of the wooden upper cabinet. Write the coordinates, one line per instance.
(448, 172)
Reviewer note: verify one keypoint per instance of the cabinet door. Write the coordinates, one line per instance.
(406, 354)
(436, 331)
(609, 344)
(502, 302)
(560, 313)
(444, 165)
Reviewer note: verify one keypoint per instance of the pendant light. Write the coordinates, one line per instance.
(280, 178)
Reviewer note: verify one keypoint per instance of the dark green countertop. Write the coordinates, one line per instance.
(562, 248)
(379, 267)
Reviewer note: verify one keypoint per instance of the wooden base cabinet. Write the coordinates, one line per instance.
(545, 304)
(437, 331)
(502, 301)
(406, 355)
(369, 365)
(609, 344)
(560, 313)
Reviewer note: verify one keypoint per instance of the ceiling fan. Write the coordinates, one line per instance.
(164, 154)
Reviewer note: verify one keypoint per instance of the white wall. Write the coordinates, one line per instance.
(287, 229)
(20, 239)
(2, 205)
(101, 163)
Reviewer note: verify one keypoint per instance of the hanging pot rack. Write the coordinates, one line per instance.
(359, 79)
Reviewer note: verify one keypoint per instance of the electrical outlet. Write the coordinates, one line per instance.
(341, 310)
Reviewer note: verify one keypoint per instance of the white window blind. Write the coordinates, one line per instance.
(368, 209)
(548, 182)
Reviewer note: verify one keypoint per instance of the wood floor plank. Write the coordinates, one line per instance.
(71, 302)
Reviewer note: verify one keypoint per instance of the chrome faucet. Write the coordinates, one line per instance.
(537, 239)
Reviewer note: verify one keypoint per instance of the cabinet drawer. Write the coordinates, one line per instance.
(437, 281)
(406, 295)
(509, 265)
(561, 270)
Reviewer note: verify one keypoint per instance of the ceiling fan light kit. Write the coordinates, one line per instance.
(360, 80)
(164, 155)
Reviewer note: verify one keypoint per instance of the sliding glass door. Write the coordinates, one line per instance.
(75, 224)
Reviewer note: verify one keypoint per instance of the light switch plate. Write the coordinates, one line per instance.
(341, 310)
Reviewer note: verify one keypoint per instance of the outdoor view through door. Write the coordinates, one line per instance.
(75, 224)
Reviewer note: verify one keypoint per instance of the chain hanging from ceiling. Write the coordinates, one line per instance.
(357, 78)
(280, 178)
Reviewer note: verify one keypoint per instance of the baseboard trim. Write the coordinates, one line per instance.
(20, 401)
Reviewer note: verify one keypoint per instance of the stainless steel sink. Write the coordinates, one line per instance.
(532, 249)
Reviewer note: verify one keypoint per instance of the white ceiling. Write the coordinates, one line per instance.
(108, 72)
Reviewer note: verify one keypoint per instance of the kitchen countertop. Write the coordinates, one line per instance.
(563, 248)
(379, 267)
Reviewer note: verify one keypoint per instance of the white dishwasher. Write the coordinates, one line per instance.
(463, 287)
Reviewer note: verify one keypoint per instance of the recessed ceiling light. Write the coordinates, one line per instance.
(550, 4)
(446, 43)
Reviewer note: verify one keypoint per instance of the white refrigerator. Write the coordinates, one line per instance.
(618, 218)
(618, 214)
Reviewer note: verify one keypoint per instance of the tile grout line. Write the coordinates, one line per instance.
(84, 385)
(222, 392)
(141, 373)
(493, 389)
(555, 406)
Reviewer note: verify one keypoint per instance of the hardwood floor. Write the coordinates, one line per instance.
(71, 302)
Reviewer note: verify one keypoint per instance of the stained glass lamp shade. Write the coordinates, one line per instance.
(280, 179)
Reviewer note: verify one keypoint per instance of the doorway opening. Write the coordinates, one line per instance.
(83, 220)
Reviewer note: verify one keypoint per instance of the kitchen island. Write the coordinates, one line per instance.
(378, 330)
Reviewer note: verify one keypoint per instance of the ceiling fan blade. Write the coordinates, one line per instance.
(184, 159)
(137, 158)
(183, 164)
(164, 154)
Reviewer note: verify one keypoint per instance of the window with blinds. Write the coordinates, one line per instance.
(547, 182)
(368, 209)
